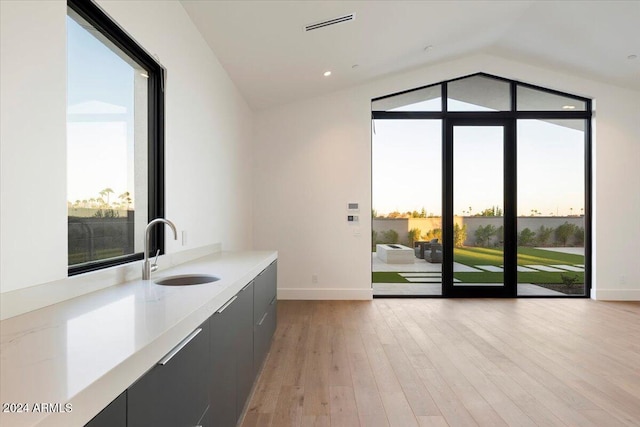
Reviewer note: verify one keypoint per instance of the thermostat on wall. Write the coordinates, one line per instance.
(353, 207)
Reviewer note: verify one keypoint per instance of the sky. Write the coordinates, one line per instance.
(407, 171)
(100, 107)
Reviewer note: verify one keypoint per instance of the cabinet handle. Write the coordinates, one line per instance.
(179, 347)
(264, 316)
(248, 284)
(227, 304)
(273, 301)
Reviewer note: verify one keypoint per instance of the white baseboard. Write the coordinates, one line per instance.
(616, 294)
(324, 294)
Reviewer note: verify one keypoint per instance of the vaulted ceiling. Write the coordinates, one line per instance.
(272, 60)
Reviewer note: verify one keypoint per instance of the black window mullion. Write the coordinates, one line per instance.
(510, 208)
(447, 206)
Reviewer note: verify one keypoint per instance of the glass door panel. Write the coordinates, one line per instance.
(551, 207)
(478, 205)
(479, 262)
(406, 221)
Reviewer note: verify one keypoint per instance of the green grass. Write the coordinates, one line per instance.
(387, 277)
(493, 256)
(472, 256)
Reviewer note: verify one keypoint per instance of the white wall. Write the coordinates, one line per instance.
(314, 156)
(33, 234)
(208, 136)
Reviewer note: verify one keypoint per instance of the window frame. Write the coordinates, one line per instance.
(95, 16)
(511, 115)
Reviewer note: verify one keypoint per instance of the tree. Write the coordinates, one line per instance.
(374, 213)
(492, 211)
(578, 235)
(543, 235)
(459, 235)
(106, 192)
(413, 235)
(500, 236)
(126, 199)
(484, 234)
(423, 213)
(564, 232)
(394, 214)
(526, 237)
(436, 233)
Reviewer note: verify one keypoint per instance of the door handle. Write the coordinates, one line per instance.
(179, 347)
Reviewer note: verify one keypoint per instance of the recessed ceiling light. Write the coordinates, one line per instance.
(428, 48)
(327, 73)
(632, 57)
(568, 107)
(354, 66)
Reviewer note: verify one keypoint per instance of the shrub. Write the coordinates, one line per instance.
(579, 236)
(459, 235)
(564, 232)
(568, 280)
(389, 236)
(436, 233)
(413, 235)
(484, 234)
(500, 236)
(543, 235)
(526, 237)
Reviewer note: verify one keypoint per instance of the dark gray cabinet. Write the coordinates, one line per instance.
(114, 415)
(264, 314)
(175, 391)
(222, 382)
(207, 378)
(231, 358)
(244, 347)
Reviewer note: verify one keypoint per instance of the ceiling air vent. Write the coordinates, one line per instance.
(338, 20)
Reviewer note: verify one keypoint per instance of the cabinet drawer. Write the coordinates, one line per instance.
(174, 393)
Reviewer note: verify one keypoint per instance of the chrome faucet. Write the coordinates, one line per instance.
(147, 267)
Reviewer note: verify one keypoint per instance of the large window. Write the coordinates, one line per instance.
(114, 141)
(510, 170)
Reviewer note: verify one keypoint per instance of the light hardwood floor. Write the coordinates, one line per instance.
(445, 362)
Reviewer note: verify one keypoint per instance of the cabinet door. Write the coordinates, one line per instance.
(244, 347)
(174, 392)
(114, 415)
(222, 383)
(264, 291)
(271, 320)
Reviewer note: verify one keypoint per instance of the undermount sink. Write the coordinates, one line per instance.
(187, 279)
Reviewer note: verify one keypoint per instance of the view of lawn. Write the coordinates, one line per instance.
(526, 256)
(473, 256)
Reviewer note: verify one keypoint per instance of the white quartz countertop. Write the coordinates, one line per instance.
(68, 361)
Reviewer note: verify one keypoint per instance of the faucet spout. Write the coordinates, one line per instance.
(146, 265)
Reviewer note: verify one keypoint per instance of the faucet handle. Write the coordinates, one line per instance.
(154, 266)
